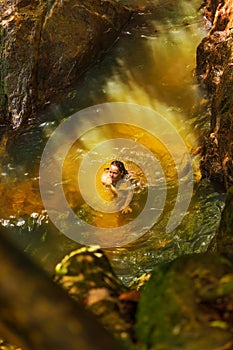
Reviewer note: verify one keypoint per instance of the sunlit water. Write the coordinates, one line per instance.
(152, 65)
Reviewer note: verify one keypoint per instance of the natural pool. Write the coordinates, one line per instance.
(151, 65)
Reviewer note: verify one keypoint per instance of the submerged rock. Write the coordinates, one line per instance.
(46, 46)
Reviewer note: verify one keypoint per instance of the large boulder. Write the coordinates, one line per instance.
(21, 26)
(73, 35)
(47, 45)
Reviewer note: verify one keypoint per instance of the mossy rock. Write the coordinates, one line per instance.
(187, 304)
(224, 236)
(88, 277)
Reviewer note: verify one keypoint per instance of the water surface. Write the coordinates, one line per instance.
(152, 64)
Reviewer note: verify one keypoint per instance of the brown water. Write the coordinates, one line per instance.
(151, 65)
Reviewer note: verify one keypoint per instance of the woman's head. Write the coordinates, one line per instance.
(120, 166)
(117, 170)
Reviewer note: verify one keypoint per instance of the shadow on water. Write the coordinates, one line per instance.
(152, 65)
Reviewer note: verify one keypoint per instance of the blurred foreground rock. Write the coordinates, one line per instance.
(87, 276)
(188, 304)
(37, 314)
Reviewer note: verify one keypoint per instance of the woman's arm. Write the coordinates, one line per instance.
(107, 182)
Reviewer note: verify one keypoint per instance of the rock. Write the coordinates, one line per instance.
(73, 35)
(210, 10)
(215, 75)
(187, 304)
(21, 26)
(223, 240)
(88, 277)
(46, 47)
(37, 314)
(4, 345)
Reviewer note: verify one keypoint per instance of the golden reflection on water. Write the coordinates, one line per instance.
(92, 138)
(166, 83)
(154, 69)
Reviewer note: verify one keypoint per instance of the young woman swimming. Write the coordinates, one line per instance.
(112, 175)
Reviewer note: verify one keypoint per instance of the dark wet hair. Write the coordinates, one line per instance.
(120, 166)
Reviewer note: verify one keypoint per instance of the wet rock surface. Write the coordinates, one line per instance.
(223, 240)
(73, 35)
(21, 26)
(215, 75)
(47, 46)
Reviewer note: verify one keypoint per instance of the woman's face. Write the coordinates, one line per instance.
(114, 173)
